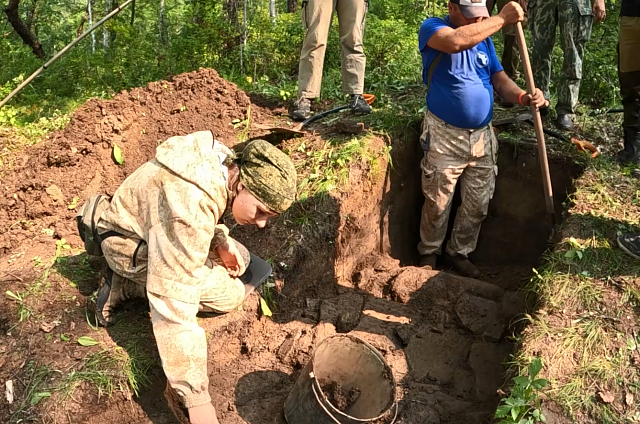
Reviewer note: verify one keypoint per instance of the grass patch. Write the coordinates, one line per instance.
(589, 296)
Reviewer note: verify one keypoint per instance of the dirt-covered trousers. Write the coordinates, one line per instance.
(453, 154)
(127, 257)
(316, 18)
(629, 70)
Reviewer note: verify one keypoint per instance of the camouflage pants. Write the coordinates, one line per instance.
(454, 154)
(511, 53)
(574, 17)
(629, 70)
(127, 258)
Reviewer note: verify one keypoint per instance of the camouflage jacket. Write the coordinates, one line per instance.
(585, 7)
(174, 203)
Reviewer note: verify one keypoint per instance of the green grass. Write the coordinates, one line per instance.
(588, 294)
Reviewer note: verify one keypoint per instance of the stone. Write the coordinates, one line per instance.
(486, 360)
(480, 316)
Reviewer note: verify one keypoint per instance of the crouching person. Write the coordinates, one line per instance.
(161, 237)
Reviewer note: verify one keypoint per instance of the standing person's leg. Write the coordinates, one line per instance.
(629, 76)
(351, 17)
(543, 19)
(575, 30)
(316, 18)
(511, 53)
(477, 187)
(442, 165)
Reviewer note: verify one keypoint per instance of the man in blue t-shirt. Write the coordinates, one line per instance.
(461, 69)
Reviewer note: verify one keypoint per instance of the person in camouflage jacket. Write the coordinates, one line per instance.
(161, 237)
(575, 19)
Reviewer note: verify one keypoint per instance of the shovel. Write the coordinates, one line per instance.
(298, 129)
(537, 123)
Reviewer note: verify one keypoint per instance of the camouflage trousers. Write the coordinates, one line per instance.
(511, 53)
(453, 154)
(574, 17)
(127, 258)
(629, 70)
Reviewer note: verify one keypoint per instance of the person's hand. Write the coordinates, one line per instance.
(512, 13)
(599, 11)
(203, 414)
(232, 258)
(537, 99)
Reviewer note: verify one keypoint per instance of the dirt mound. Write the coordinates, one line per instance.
(338, 396)
(76, 162)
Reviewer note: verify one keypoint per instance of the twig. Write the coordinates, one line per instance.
(13, 275)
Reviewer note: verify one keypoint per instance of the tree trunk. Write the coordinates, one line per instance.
(93, 34)
(292, 6)
(272, 10)
(105, 30)
(21, 29)
(162, 26)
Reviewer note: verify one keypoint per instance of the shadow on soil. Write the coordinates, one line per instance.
(445, 337)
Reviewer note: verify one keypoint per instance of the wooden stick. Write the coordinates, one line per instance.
(537, 123)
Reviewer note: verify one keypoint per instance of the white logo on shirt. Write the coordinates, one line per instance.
(482, 60)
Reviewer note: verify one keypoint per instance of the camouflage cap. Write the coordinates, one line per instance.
(268, 174)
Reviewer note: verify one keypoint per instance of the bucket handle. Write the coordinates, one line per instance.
(313, 387)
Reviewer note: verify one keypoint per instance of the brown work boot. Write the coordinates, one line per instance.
(428, 261)
(463, 265)
(114, 290)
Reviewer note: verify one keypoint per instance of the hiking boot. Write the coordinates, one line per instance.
(428, 261)
(359, 105)
(631, 151)
(301, 109)
(463, 265)
(113, 291)
(630, 244)
(564, 122)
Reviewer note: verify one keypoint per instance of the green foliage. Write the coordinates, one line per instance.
(523, 406)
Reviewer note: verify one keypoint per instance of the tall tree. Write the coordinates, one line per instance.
(105, 29)
(21, 29)
(93, 34)
(162, 26)
(272, 10)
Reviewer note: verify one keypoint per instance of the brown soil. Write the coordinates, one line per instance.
(336, 268)
(77, 161)
(338, 396)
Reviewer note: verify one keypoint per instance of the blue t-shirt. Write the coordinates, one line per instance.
(461, 93)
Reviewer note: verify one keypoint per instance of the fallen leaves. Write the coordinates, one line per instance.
(606, 397)
(55, 193)
(87, 341)
(629, 400)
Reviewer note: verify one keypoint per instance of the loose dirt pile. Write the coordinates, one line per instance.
(76, 162)
(339, 396)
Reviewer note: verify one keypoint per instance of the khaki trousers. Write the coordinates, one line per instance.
(316, 18)
(454, 154)
(127, 258)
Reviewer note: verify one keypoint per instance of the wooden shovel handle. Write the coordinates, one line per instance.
(537, 120)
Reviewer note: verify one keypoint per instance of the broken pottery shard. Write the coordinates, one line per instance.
(480, 316)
